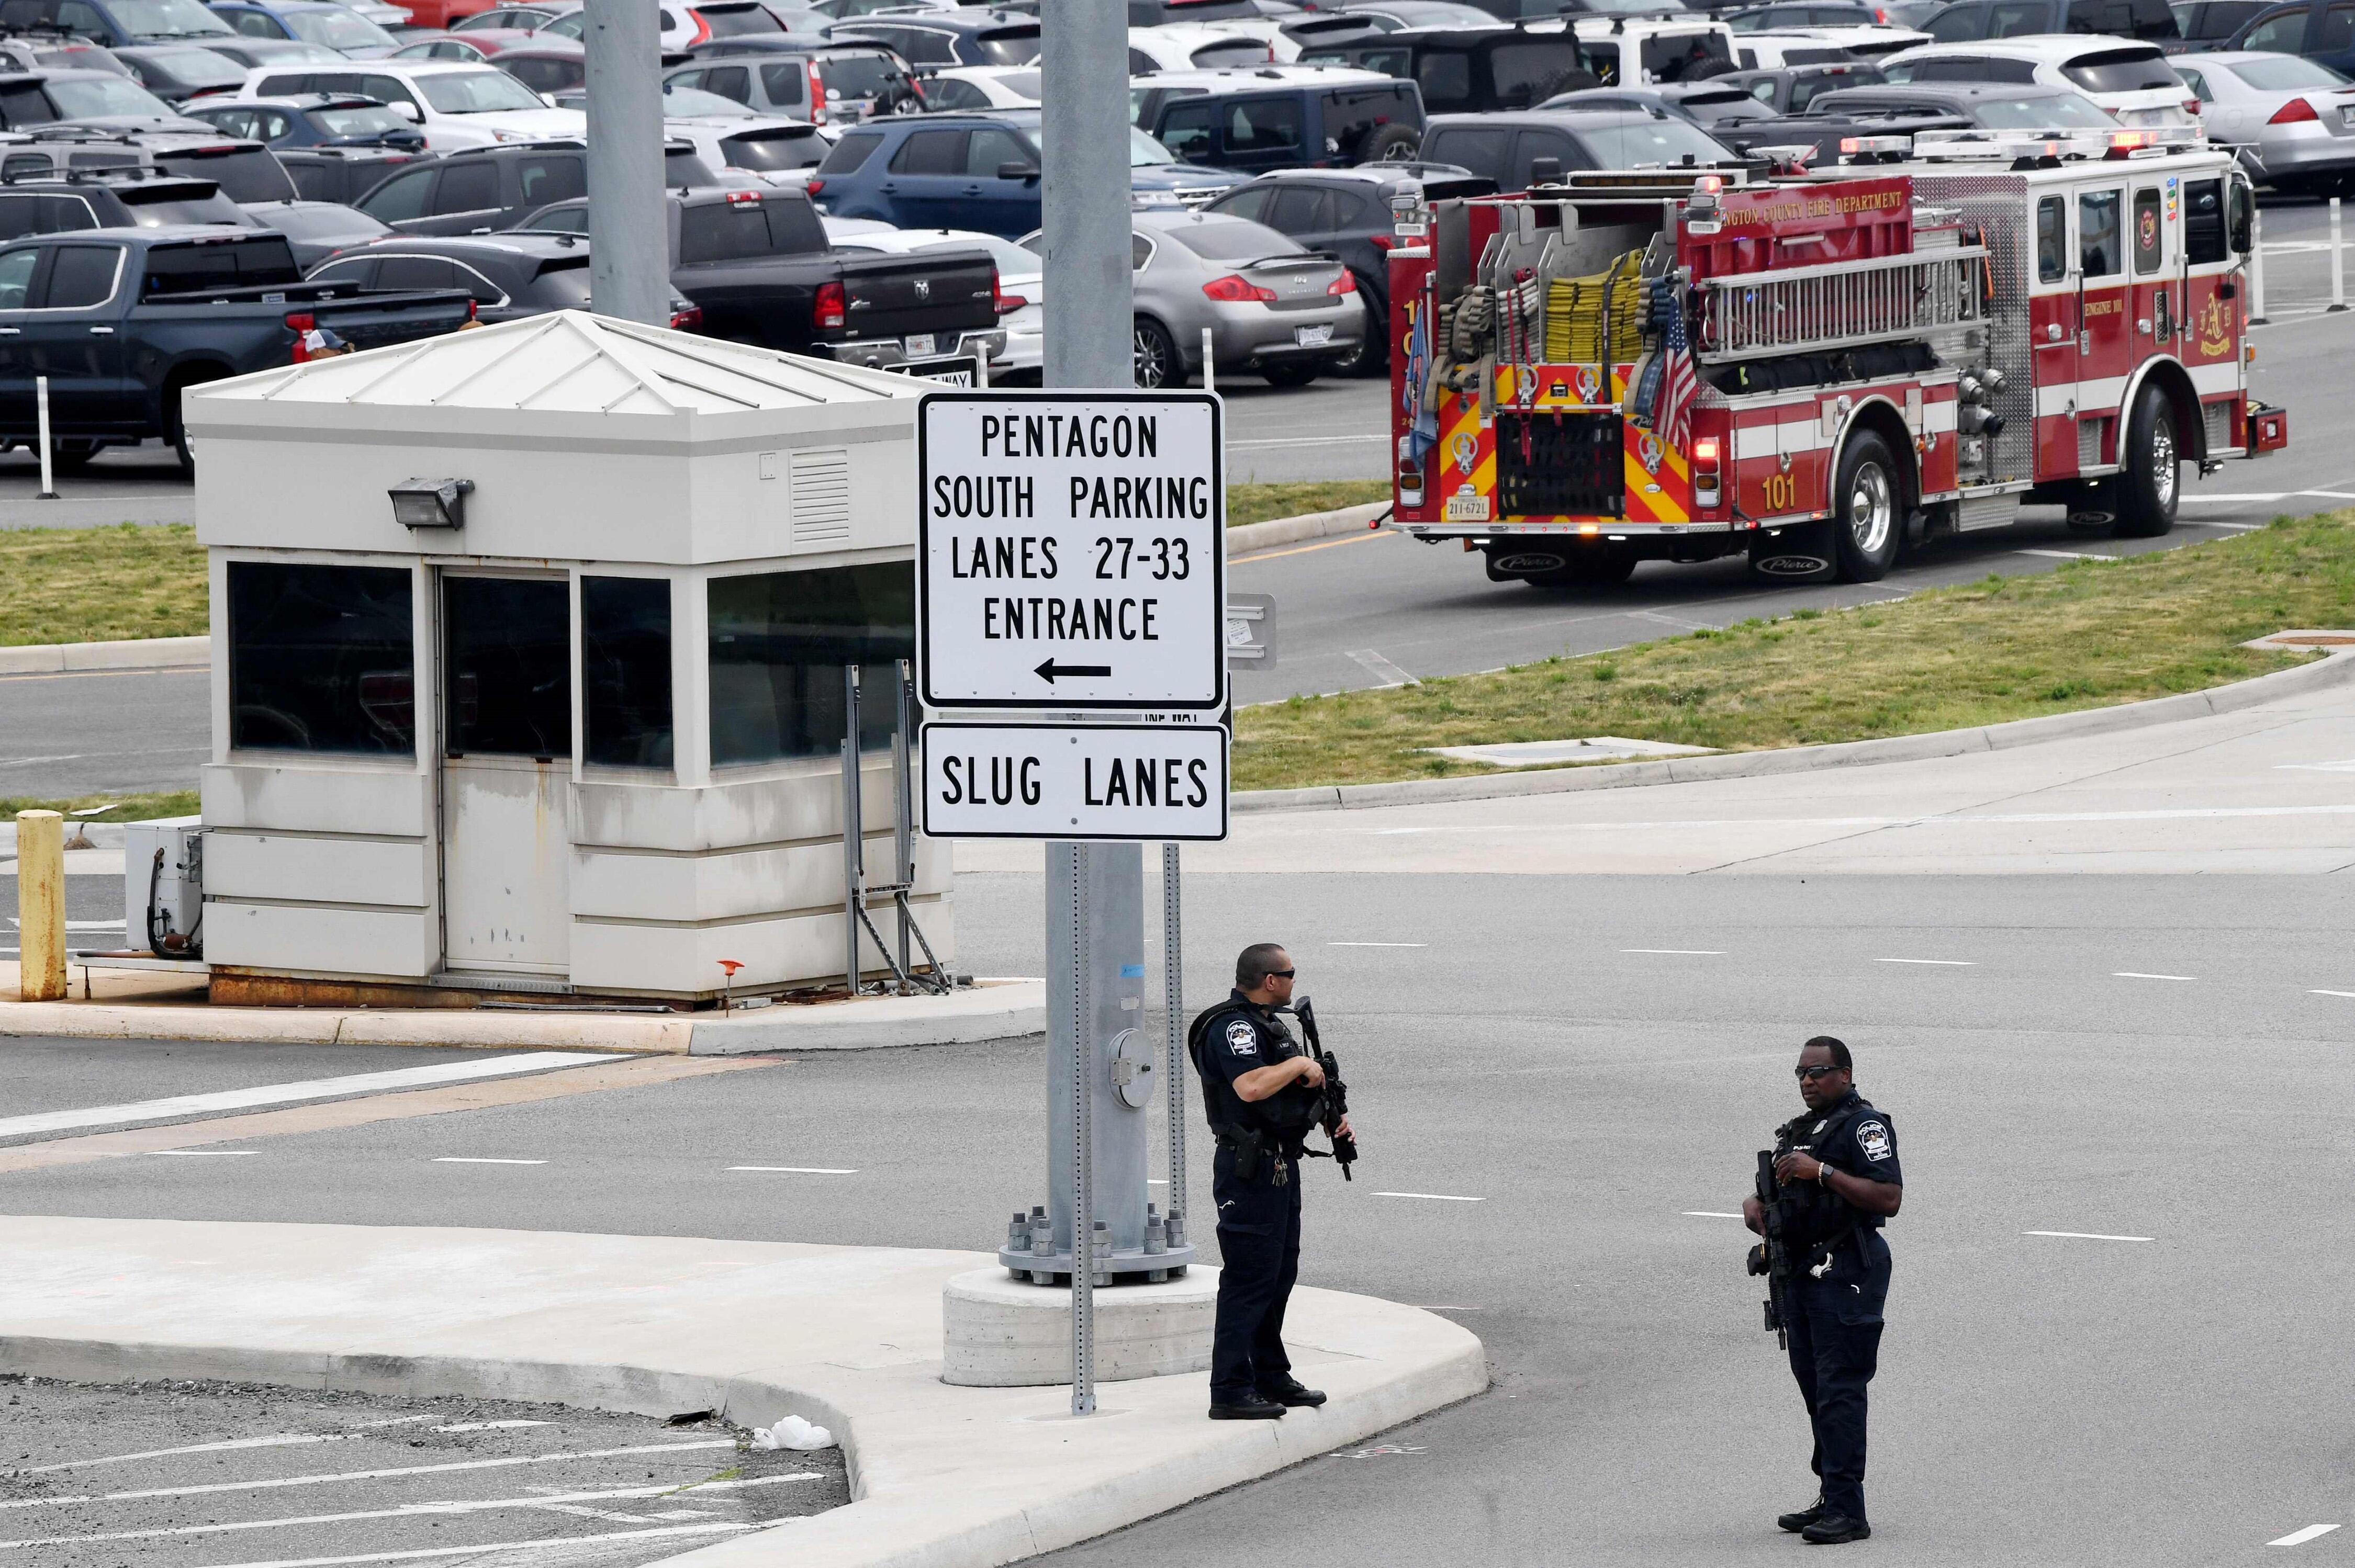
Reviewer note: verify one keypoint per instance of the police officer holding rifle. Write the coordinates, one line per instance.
(1822, 1195)
(1264, 1093)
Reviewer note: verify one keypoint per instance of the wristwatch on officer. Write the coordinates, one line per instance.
(1823, 1176)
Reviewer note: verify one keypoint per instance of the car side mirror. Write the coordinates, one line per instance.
(549, 100)
(1545, 172)
(1014, 171)
(2244, 219)
(410, 113)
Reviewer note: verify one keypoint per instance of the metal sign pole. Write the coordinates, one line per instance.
(903, 805)
(629, 250)
(1075, 979)
(1173, 994)
(854, 859)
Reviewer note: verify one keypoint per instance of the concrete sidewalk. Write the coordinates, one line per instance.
(849, 1337)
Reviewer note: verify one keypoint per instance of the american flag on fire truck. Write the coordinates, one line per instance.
(1679, 382)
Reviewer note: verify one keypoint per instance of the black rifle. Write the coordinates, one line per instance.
(1772, 1256)
(1336, 1094)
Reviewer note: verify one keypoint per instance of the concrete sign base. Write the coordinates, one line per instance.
(1002, 1332)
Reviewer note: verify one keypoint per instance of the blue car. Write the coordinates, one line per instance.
(102, 21)
(323, 22)
(979, 171)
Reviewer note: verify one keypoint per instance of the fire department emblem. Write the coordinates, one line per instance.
(2150, 229)
(1466, 450)
(2214, 328)
(1647, 452)
(1589, 384)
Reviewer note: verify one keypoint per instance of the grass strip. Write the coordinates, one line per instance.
(99, 585)
(2091, 634)
(118, 808)
(1264, 502)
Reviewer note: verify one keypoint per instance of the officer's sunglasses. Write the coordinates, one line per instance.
(1812, 1074)
(1281, 974)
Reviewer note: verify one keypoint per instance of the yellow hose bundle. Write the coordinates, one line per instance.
(1577, 308)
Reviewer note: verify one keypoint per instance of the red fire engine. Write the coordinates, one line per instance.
(1818, 369)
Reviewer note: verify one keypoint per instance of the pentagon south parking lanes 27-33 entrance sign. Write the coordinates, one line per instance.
(1071, 553)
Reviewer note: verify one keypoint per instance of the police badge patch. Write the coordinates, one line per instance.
(1243, 1041)
(1873, 1138)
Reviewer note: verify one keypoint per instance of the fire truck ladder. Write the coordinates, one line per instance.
(1803, 310)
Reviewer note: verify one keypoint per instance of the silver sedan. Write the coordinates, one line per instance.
(2293, 120)
(1272, 309)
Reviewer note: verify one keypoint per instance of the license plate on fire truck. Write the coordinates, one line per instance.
(1467, 508)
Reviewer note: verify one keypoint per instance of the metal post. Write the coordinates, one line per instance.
(1210, 371)
(629, 244)
(854, 858)
(1095, 892)
(903, 806)
(40, 907)
(2257, 268)
(1173, 996)
(48, 448)
(2338, 261)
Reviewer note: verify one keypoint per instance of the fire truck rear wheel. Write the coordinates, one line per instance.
(1869, 519)
(2148, 480)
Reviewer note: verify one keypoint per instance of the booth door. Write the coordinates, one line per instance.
(506, 765)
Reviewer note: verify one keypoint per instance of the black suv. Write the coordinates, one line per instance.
(508, 276)
(1467, 70)
(478, 189)
(1281, 118)
(1788, 90)
(1968, 21)
(115, 198)
(923, 38)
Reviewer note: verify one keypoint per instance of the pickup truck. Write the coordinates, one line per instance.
(760, 266)
(122, 320)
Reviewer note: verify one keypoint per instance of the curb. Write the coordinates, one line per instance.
(1246, 537)
(1008, 1009)
(2333, 669)
(145, 653)
(942, 1477)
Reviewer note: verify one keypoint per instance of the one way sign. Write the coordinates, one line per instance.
(1072, 550)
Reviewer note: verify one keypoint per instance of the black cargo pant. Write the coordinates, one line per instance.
(1258, 1244)
(1834, 1331)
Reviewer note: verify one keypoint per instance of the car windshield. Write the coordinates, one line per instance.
(571, 27)
(326, 220)
(338, 29)
(1229, 240)
(215, 208)
(734, 21)
(2286, 72)
(1010, 258)
(249, 173)
(1668, 142)
(85, 97)
(2123, 72)
(859, 75)
(2053, 112)
(1014, 46)
(800, 147)
(166, 19)
(678, 101)
(484, 91)
(1144, 152)
(362, 120)
(1633, 6)
(1022, 84)
(196, 68)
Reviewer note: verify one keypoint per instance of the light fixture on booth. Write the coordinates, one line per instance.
(430, 502)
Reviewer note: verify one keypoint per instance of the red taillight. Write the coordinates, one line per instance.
(1347, 283)
(1006, 303)
(1237, 289)
(744, 198)
(470, 303)
(814, 185)
(2191, 107)
(687, 320)
(2295, 110)
(817, 95)
(831, 309)
(1381, 241)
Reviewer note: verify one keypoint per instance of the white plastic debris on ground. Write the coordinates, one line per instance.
(791, 1432)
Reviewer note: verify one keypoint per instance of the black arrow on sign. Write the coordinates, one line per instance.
(1049, 670)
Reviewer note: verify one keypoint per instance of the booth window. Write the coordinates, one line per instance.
(779, 642)
(625, 670)
(322, 658)
(509, 665)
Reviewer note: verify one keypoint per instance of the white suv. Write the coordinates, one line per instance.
(455, 103)
(2131, 81)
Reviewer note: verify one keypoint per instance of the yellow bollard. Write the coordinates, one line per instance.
(41, 906)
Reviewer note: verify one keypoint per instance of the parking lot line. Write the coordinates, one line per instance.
(1940, 963)
(1680, 952)
(2330, 993)
(548, 1544)
(2300, 1537)
(797, 1169)
(2086, 1235)
(481, 1159)
(279, 1440)
(1709, 1215)
(1378, 944)
(2135, 974)
(1434, 1197)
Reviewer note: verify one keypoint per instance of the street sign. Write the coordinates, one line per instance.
(1070, 551)
(1075, 782)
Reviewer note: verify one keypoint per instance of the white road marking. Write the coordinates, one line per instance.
(1378, 944)
(481, 1159)
(488, 1426)
(1680, 952)
(2300, 1537)
(2130, 974)
(2346, 767)
(506, 1462)
(437, 1509)
(178, 1153)
(1380, 668)
(2066, 554)
(280, 1440)
(2086, 1235)
(552, 1543)
(78, 925)
(2330, 993)
(1942, 819)
(1306, 441)
(1940, 963)
(2234, 527)
(797, 1169)
(288, 1094)
(1709, 1215)
(1436, 1197)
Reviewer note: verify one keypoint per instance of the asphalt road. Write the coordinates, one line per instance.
(1559, 1082)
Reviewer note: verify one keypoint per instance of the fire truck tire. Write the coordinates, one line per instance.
(1868, 510)
(2149, 479)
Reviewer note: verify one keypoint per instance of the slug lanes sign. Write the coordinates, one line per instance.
(1077, 781)
(1070, 551)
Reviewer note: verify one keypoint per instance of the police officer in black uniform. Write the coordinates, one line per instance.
(1263, 1093)
(1836, 1172)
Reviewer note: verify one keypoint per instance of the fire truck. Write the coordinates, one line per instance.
(1818, 369)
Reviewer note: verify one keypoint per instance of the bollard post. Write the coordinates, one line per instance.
(41, 906)
(48, 451)
(2338, 261)
(2257, 269)
(1209, 375)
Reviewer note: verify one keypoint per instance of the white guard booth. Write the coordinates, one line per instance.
(565, 714)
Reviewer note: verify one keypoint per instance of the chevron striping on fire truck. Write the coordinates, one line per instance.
(1820, 369)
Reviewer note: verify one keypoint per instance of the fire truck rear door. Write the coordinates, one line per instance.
(2054, 326)
(2105, 339)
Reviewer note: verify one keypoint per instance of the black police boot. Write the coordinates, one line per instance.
(1796, 1523)
(1289, 1391)
(1833, 1527)
(1249, 1409)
